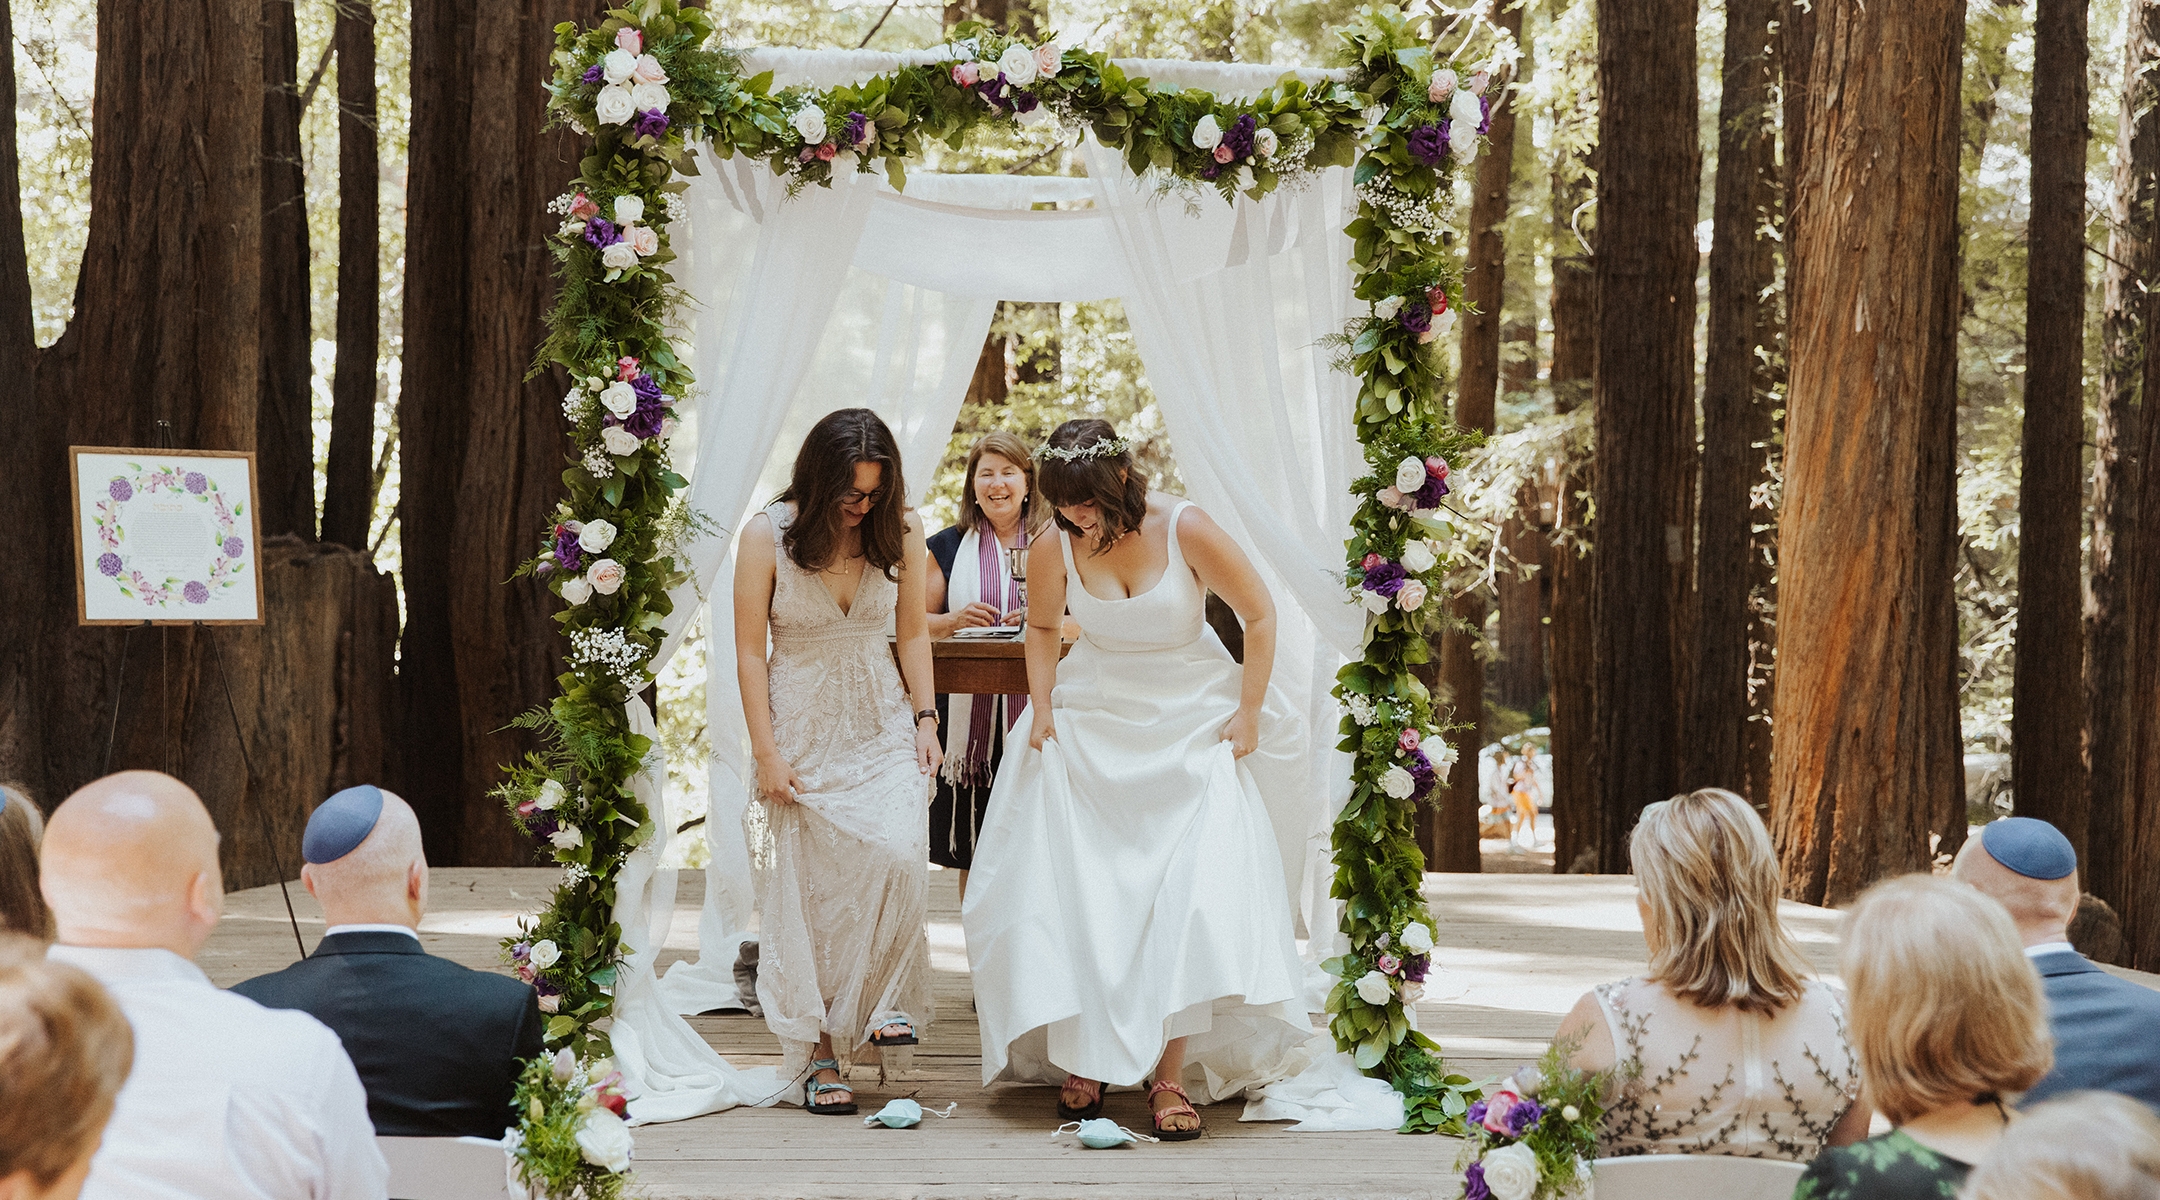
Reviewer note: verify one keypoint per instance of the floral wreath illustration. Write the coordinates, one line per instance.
(112, 561)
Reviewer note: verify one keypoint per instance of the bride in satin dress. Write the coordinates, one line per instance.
(1126, 918)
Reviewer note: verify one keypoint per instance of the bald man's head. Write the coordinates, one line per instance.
(381, 881)
(131, 860)
(2042, 908)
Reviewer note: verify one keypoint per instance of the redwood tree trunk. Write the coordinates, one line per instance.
(1644, 398)
(2141, 808)
(284, 420)
(2047, 717)
(1574, 350)
(349, 493)
(1519, 677)
(1873, 249)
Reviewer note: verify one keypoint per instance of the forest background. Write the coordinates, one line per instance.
(405, 458)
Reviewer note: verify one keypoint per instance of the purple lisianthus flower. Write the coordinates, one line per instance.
(646, 388)
(1416, 966)
(1386, 579)
(121, 490)
(1422, 776)
(1428, 144)
(857, 130)
(1211, 171)
(545, 825)
(1524, 1117)
(1239, 137)
(1415, 316)
(1430, 495)
(233, 547)
(1473, 1177)
(520, 950)
(594, 74)
(644, 421)
(196, 483)
(601, 233)
(1024, 102)
(1484, 125)
(1475, 1114)
(651, 123)
(568, 554)
(992, 90)
(196, 592)
(109, 564)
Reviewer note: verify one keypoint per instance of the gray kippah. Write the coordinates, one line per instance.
(2031, 847)
(341, 823)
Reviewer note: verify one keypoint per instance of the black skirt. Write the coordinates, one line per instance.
(956, 813)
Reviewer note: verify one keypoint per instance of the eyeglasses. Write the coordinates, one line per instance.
(851, 497)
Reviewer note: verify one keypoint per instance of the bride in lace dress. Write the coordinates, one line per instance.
(845, 755)
(1126, 916)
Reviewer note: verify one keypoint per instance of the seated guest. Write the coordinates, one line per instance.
(436, 1044)
(22, 909)
(2104, 1026)
(227, 1098)
(1724, 1045)
(64, 1052)
(1949, 1023)
(2081, 1146)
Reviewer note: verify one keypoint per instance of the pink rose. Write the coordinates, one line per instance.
(1409, 739)
(1497, 1106)
(1046, 60)
(1436, 298)
(1389, 964)
(1411, 597)
(606, 576)
(1371, 561)
(807, 154)
(644, 239)
(964, 74)
(648, 70)
(1222, 153)
(1393, 497)
(1479, 82)
(626, 368)
(527, 809)
(827, 152)
(630, 39)
(1437, 467)
(583, 209)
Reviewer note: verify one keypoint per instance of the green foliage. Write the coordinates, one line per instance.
(558, 1099)
(1564, 1139)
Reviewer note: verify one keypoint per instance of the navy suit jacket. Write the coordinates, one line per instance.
(2107, 1031)
(437, 1045)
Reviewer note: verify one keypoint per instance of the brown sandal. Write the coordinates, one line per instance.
(1086, 1112)
(1176, 1110)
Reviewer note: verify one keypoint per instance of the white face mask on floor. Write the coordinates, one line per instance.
(1102, 1133)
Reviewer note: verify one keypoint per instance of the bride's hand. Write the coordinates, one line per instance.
(1044, 729)
(777, 782)
(1243, 733)
(929, 752)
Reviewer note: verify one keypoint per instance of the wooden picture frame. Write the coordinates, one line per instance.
(103, 596)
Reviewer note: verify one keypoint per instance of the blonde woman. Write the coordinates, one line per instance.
(1724, 1046)
(2082, 1146)
(1949, 1022)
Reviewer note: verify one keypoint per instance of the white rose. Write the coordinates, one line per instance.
(618, 65)
(1019, 65)
(1397, 783)
(629, 210)
(1265, 142)
(1207, 134)
(1510, 1171)
(564, 1066)
(596, 536)
(1465, 110)
(1417, 938)
(1446, 756)
(1374, 988)
(1374, 602)
(619, 399)
(543, 954)
(1409, 474)
(1411, 597)
(603, 1139)
(575, 590)
(1386, 309)
(1443, 86)
(644, 240)
(809, 123)
(1444, 322)
(618, 440)
(648, 70)
(647, 96)
(619, 257)
(1417, 556)
(613, 106)
(1244, 179)
(986, 71)
(567, 838)
(551, 794)
(605, 576)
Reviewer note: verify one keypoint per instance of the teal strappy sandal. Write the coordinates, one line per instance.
(816, 1089)
(893, 1019)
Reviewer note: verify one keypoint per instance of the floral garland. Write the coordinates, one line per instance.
(642, 84)
(571, 1139)
(1535, 1136)
(112, 561)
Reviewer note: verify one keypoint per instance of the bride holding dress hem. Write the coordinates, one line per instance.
(1126, 920)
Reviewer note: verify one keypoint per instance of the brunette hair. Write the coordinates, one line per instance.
(22, 827)
(1014, 451)
(2083, 1146)
(1709, 876)
(65, 1049)
(1945, 1006)
(1109, 481)
(825, 471)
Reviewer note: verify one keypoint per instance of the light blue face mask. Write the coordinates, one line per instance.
(904, 1114)
(1102, 1133)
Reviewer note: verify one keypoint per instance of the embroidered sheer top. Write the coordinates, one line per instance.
(1721, 1081)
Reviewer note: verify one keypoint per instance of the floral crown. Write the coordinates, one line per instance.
(1100, 448)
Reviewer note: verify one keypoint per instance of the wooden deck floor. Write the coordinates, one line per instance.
(1515, 952)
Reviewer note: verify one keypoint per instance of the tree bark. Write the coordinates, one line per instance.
(1644, 399)
(1519, 677)
(284, 419)
(1736, 402)
(2047, 715)
(2132, 261)
(1574, 361)
(349, 493)
(2141, 807)
(1872, 256)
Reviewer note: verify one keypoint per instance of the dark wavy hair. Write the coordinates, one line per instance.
(825, 471)
(1109, 481)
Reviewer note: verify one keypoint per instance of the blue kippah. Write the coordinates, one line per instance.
(341, 823)
(2033, 848)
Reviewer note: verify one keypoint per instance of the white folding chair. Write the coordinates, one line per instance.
(1685, 1176)
(463, 1168)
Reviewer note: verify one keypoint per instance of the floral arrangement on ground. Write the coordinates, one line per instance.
(1534, 1136)
(645, 87)
(571, 1139)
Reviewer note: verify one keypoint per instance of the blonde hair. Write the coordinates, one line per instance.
(1944, 1007)
(1034, 515)
(2083, 1146)
(65, 1049)
(22, 827)
(1709, 877)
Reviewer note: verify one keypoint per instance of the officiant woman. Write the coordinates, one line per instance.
(971, 586)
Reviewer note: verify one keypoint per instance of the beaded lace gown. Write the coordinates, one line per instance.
(1127, 887)
(842, 875)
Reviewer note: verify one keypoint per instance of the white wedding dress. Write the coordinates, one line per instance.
(1127, 886)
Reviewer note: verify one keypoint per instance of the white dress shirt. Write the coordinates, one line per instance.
(407, 930)
(227, 1098)
(2050, 948)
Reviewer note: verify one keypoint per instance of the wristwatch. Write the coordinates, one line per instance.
(928, 712)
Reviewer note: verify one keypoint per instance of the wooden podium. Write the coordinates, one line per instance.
(982, 666)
